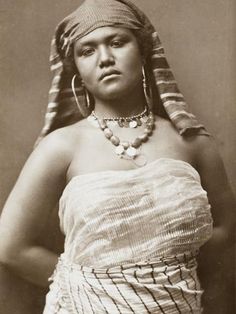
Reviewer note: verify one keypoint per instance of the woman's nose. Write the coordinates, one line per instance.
(106, 57)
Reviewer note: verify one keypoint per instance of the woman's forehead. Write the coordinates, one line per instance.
(103, 33)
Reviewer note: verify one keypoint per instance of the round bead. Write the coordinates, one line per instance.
(151, 114)
(125, 145)
(133, 124)
(149, 121)
(120, 123)
(108, 133)
(126, 124)
(131, 151)
(149, 126)
(147, 131)
(144, 119)
(139, 122)
(143, 137)
(103, 124)
(115, 140)
(119, 150)
(136, 143)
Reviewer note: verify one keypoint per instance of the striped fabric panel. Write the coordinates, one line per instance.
(159, 61)
(56, 66)
(166, 285)
(163, 75)
(164, 82)
(65, 91)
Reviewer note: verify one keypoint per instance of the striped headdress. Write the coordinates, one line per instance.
(62, 109)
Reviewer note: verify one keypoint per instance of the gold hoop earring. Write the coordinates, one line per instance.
(146, 89)
(84, 108)
(86, 93)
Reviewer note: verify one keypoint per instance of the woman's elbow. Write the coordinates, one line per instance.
(7, 258)
(10, 255)
(224, 236)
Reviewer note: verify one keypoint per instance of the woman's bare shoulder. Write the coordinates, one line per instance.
(61, 140)
(193, 141)
(54, 152)
(200, 149)
(203, 147)
(208, 160)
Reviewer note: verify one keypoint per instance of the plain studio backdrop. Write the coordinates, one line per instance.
(199, 40)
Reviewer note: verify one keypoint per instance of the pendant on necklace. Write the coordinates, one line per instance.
(140, 160)
(119, 149)
(133, 124)
(131, 151)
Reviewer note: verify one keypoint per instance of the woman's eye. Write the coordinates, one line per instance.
(117, 43)
(87, 52)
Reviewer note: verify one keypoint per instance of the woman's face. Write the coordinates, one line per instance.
(109, 62)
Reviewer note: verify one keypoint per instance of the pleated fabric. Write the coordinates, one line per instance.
(116, 217)
(62, 109)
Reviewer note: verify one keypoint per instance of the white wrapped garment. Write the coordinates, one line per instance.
(131, 240)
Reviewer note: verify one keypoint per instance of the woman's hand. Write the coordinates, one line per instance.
(29, 206)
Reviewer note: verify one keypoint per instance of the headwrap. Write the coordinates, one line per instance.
(92, 14)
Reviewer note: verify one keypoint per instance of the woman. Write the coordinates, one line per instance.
(125, 168)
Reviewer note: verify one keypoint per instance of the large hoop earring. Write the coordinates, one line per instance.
(84, 108)
(147, 89)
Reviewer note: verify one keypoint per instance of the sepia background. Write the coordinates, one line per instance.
(199, 39)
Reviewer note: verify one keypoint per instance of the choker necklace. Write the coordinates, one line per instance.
(127, 122)
(125, 149)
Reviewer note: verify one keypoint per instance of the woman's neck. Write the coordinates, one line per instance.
(120, 107)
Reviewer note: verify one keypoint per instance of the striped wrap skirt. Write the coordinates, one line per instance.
(160, 285)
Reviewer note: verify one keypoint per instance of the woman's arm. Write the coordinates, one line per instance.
(216, 264)
(28, 207)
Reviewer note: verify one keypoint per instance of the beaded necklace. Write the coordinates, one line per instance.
(126, 149)
(128, 122)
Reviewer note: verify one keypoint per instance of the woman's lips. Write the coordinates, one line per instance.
(110, 74)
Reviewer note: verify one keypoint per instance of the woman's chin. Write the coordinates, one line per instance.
(115, 91)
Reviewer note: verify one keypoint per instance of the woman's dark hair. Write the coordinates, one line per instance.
(144, 41)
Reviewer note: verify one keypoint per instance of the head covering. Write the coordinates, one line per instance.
(92, 14)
